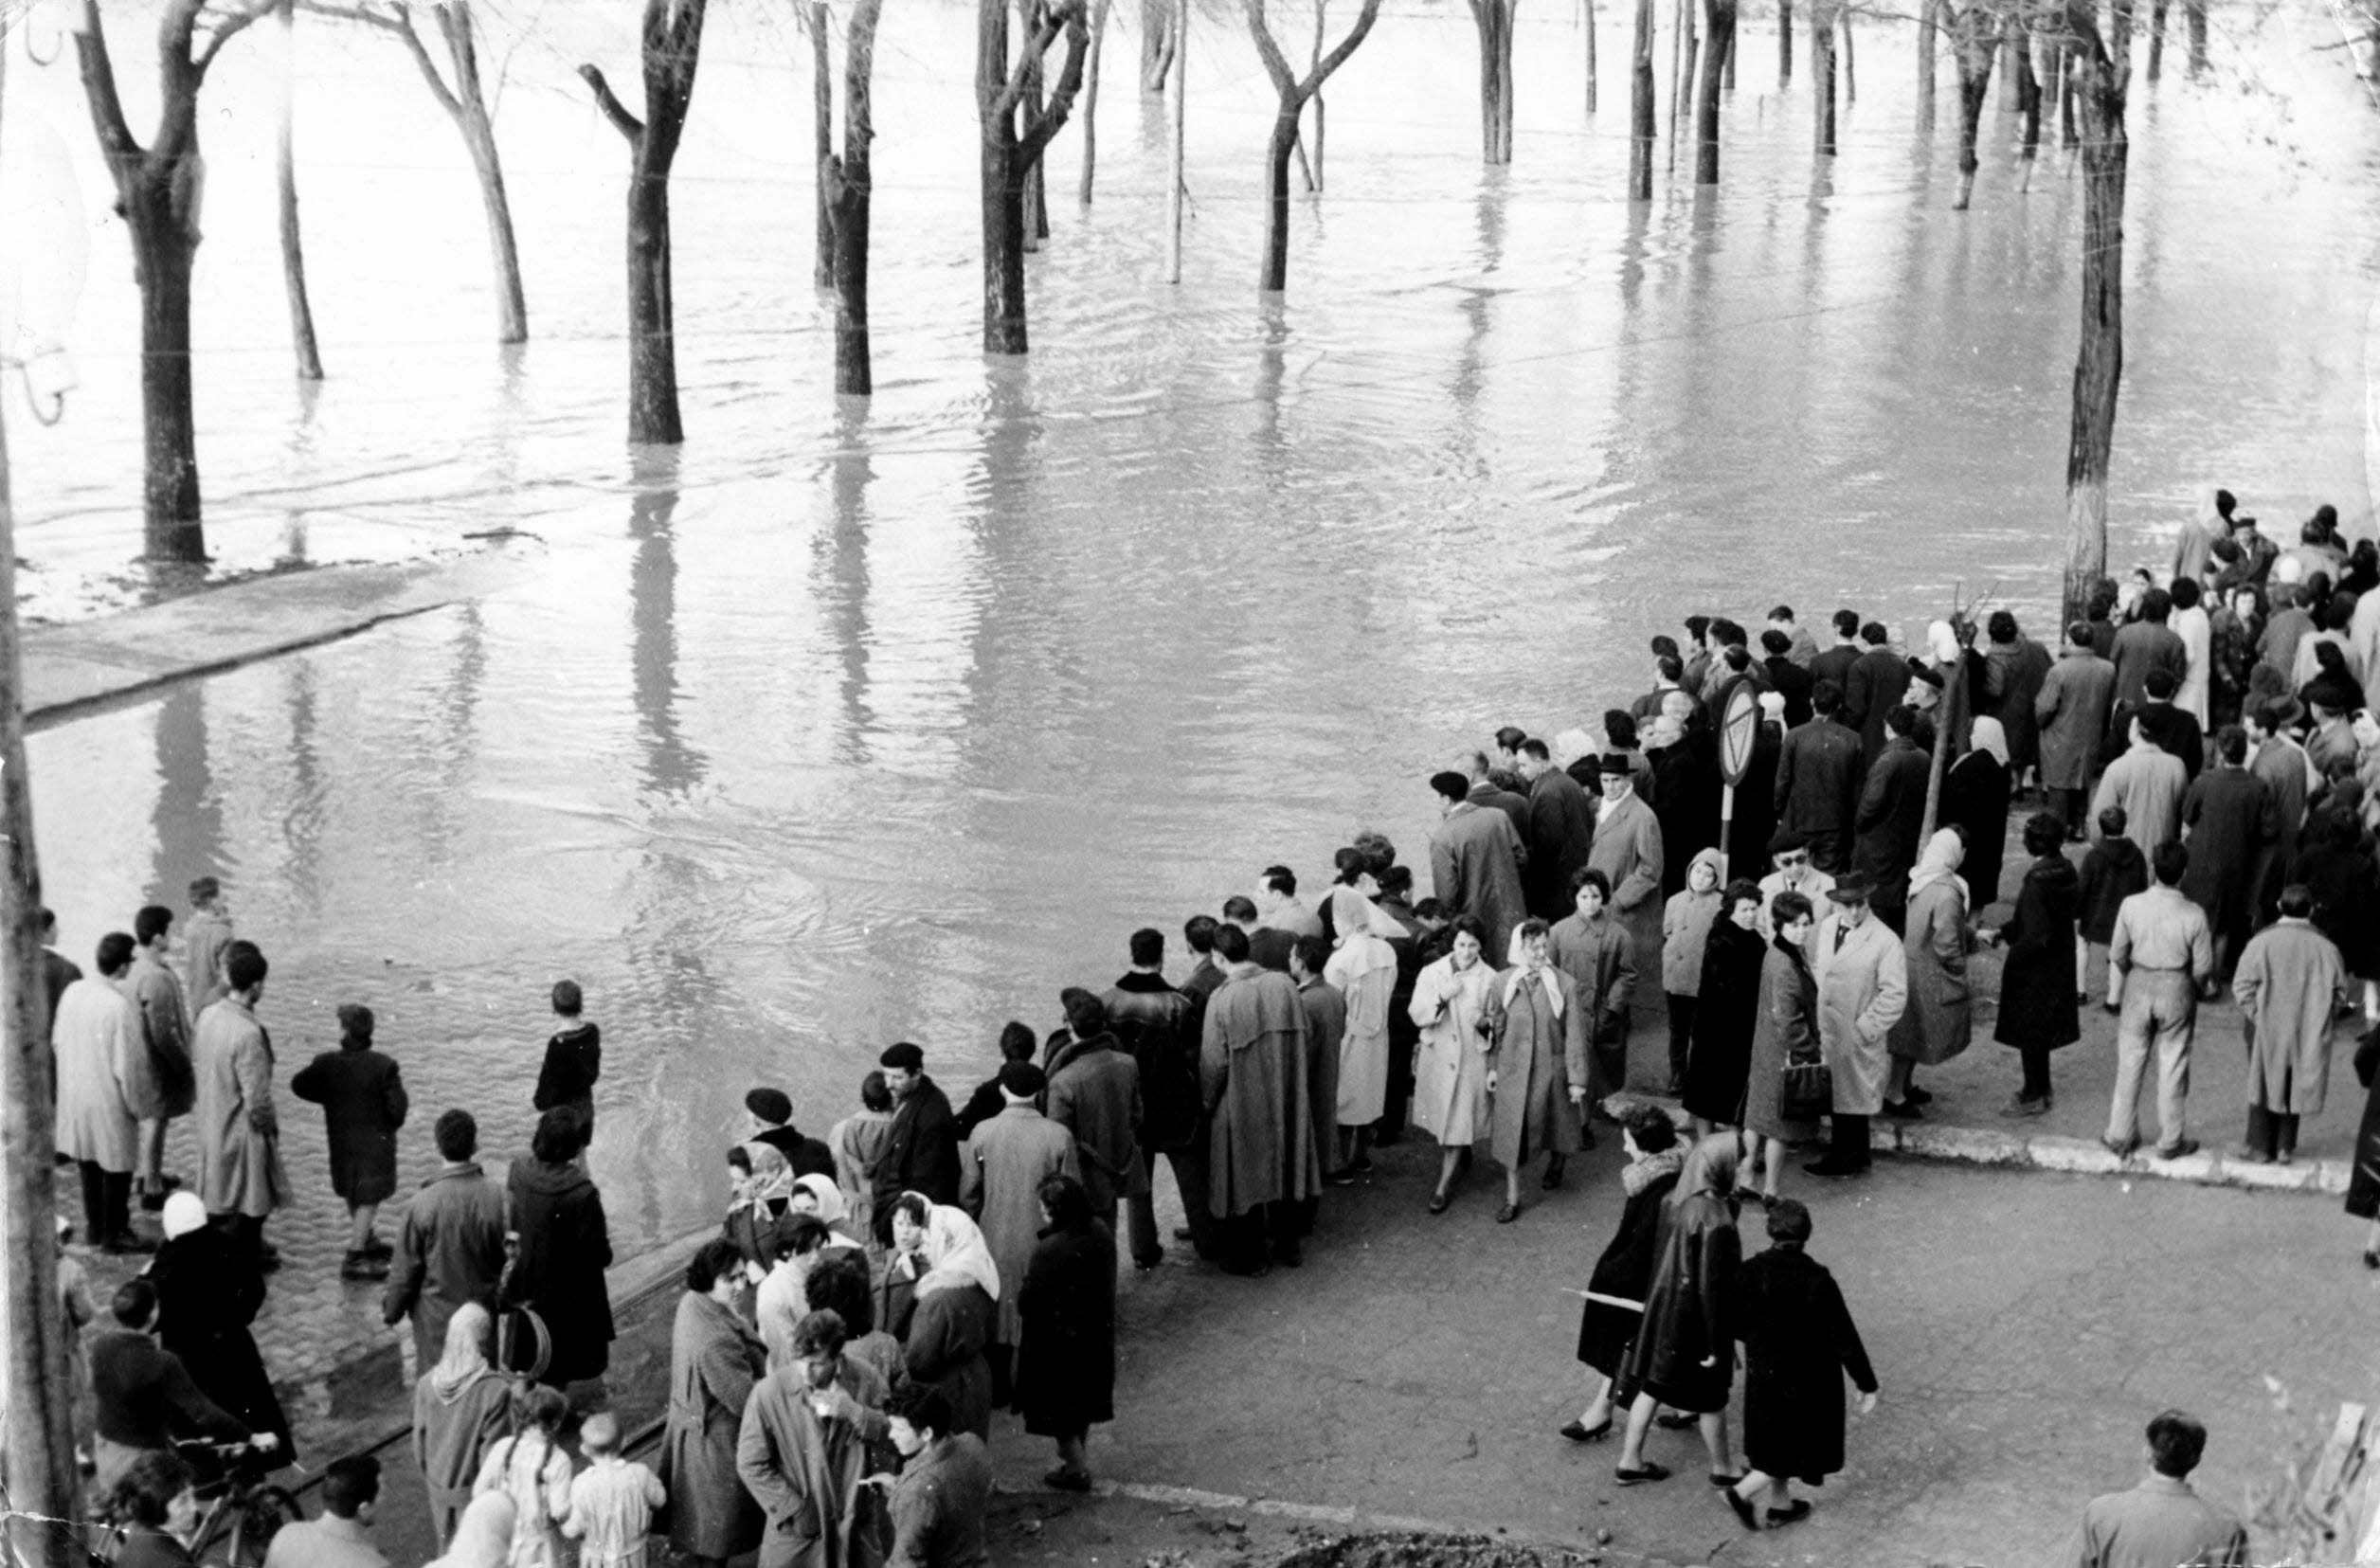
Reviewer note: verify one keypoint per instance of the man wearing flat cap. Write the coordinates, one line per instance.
(1863, 988)
(772, 1124)
(921, 1151)
(1627, 850)
(1000, 1172)
(1475, 860)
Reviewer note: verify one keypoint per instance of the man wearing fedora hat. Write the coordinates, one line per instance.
(2276, 758)
(1627, 850)
(1863, 988)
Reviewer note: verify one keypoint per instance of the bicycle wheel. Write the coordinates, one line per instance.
(268, 1508)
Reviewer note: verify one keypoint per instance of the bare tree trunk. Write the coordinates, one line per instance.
(1822, 75)
(1850, 58)
(1493, 22)
(1681, 53)
(1644, 119)
(2194, 12)
(847, 179)
(822, 143)
(672, 48)
(1159, 37)
(1037, 196)
(2062, 83)
(37, 1450)
(1290, 95)
(1975, 40)
(2156, 39)
(1728, 81)
(1589, 10)
(1718, 38)
(1322, 9)
(1010, 157)
(1929, 44)
(2008, 68)
(2101, 86)
(2028, 92)
(1784, 43)
(1272, 273)
(1090, 98)
(285, 175)
(1175, 144)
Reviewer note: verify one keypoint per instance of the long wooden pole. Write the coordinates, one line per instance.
(39, 1442)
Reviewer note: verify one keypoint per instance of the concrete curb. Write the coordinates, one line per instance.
(2084, 1156)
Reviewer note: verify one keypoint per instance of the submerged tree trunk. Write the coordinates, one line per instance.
(1177, 134)
(2028, 93)
(1008, 158)
(672, 48)
(285, 179)
(1850, 58)
(1718, 36)
(1784, 42)
(2194, 12)
(1822, 75)
(1090, 98)
(1161, 31)
(1589, 7)
(1493, 22)
(2101, 86)
(1929, 44)
(1681, 61)
(1037, 195)
(1290, 93)
(1727, 80)
(814, 20)
(846, 180)
(2156, 39)
(1974, 39)
(1644, 119)
(1272, 271)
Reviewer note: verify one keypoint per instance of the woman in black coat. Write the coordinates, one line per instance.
(1798, 1342)
(1975, 802)
(208, 1292)
(2336, 871)
(1654, 1159)
(1684, 1356)
(1720, 1063)
(2037, 982)
(565, 1248)
(1066, 1353)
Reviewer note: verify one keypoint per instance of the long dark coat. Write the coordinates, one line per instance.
(2037, 981)
(363, 1101)
(2231, 822)
(1754, 821)
(1623, 1270)
(1816, 790)
(1720, 1064)
(1687, 1306)
(1975, 801)
(2363, 1184)
(1475, 862)
(921, 1155)
(714, 1362)
(1785, 1026)
(2346, 894)
(2013, 680)
(949, 1328)
(1892, 809)
(565, 1248)
(1066, 1362)
(2071, 710)
(1798, 1342)
(1561, 836)
(1686, 801)
(1254, 1071)
(208, 1292)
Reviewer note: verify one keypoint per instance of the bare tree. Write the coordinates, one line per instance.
(1037, 195)
(466, 103)
(821, 140)
(1822, 24)
(1644, 120)
(672, 48)
(1493, 19)
(157, 190)
(846, 182)
(1159, 30)
(2194, 12)
(1010, 155)
(1178, 57)
(1718, 43)
(285, 171)
(1090, 98)
(1588, 7)
(2103, 81)
(2156, 39)
(1272, 273)
(1929, 41)
(1975, 40)
(2027, 91)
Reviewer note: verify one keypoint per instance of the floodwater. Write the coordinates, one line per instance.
(848, 725)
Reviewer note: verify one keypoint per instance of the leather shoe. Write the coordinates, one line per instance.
(1742, 1509)
(1918, 1097)
(1506, 1214)
(2178, 1148)
(1831, 1167)
(1903, 1111)
(1581, 1433)
(2121, 1147)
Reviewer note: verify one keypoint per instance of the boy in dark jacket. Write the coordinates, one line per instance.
(2113, 870)
(363, 1103)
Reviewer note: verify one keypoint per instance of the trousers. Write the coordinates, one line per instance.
(2272, 1133)
(2160, 1011)
(107, 1203)
(1680, 1037)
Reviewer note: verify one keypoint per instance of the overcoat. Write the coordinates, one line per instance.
(209, 1293)
(1561, 838)
(1719, 1067)
(1786, 1026)
(949, 1328)
(2113, 870)
(1623, 1270)
(453, 1426)
(2037, 983)
(450, 1250)
(1326, 1029)
(1157, 1026)
(558, 1274)
(97, 1035)
(2345, 891)
(1940, 1018)
(2290, 984)
(363, 1100)
(2071, 710)
(239, 1134)
(1066, 1359)
(1000, 1173)
(1686, 1303)
(1475, 869)
(1798, 1342)
(2149, 783)
(2363, 1183)
(1253, 1070)
(2014, 672)
(1540, 1051)
(1863, 987)
(806, 1472)
(1628, 850)
(1095, 1094)
(921, 1155)
(1817, 789)
(1975, 801)
(1891, 810)
(2232, 822)
(168, 1085)
(1450, 1065)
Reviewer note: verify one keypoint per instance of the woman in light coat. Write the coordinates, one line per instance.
(1364, 969)
(1940, 1018)
(1685, 926)
(1450, 1066)
(714, 1363)
(1537, 1069)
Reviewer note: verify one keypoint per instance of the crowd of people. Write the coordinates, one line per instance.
(875, 1294)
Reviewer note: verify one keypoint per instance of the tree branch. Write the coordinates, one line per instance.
(1338, 57)
(622, 121)
(99, 85)
(228, 29)
(450, 101)
(1277, 67)
(1036, 46)
(1062, 101)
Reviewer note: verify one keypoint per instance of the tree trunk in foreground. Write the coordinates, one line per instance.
(1589, 7)
(1007, 157)
(1719, 39)
(285, 177)
(814, 22)
(1159, 36)
(2101, 86)
(1822, 76)
(1975, 40)
(1644, 120)
(847, 183)
(1090, 98)
(1291, 93)
(1493, 22)
(1784, 43)
(1176, 136)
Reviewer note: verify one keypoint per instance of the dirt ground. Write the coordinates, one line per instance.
(1044, 1529)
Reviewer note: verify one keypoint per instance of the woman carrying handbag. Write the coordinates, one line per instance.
(1787, 1088)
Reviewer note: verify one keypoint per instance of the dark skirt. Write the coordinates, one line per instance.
(1701, 1391)
(2363, 1186)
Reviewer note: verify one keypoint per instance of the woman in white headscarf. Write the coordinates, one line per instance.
(1938, 1021)
(956, 1314)
(1363, 970)
(461, 1406)
(1975, 793)
(759, 1210)
(208, 1292)
(819, 1195)
(1537, 1070)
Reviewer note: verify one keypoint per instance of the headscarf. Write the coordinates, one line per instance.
(955, 1255)
(1361, 940)
(1942, 644)
(466, 1356)
(1705, 859)
(1571, 745)
(1710, 1169)
(772, 1180)
(1985, 734)
(1772, 707)
(1515, 974)
(830, 1207)
(483, 1536)
(184, 1214)
(1940, 863)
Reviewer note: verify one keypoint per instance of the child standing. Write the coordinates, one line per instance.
(2113, 870)
(363, 1103)
(611, 1501)
(575, 1060)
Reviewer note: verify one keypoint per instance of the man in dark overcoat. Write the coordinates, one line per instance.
(363, 1100)
(1252, 1073)
(921, 1152)
(1818, 780)
(1891, 811)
